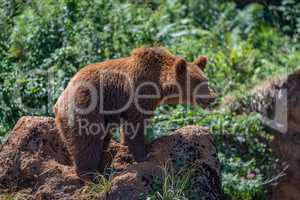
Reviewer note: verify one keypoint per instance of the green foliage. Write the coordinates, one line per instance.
(288, 15)
(42, 45)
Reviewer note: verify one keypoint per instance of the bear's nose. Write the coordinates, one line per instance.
(212, 95)
(209, 99)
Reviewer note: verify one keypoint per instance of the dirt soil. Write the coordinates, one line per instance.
(35, 164)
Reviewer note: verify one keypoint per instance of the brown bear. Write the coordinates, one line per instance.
(123, 93)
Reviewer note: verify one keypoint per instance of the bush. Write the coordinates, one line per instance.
(287, 14)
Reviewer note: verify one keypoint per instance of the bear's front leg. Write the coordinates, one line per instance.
(132, 135)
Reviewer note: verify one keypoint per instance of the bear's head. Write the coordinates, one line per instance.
(181, 82)
(188, 84)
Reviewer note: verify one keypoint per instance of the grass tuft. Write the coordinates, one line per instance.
(97, 189)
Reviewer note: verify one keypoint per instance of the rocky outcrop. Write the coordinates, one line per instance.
(278, 102)
(35, 162)
(288, 185)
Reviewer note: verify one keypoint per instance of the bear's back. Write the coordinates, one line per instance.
(108, 81)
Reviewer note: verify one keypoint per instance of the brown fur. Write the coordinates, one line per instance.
(155, 65)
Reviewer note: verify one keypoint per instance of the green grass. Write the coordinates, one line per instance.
(98, 188)
(172, 185)
(7, 197)
(102, 185)
(16, 196)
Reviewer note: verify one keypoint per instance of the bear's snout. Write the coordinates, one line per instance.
(206, 99)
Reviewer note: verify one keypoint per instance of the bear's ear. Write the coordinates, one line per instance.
(180, 65)
(201, 62)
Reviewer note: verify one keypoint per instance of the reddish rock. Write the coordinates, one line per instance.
(189, 148)
(35, 162)
(35, 159)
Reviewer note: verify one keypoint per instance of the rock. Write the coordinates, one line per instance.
(34, 158)
(288, 186)
(189, 148)
(35, 162)
(278, 102)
